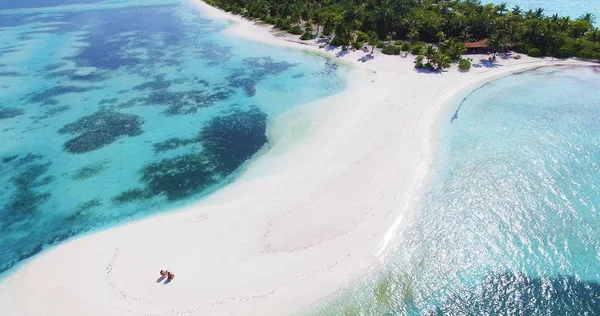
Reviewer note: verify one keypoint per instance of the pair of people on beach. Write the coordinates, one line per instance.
(170, 276)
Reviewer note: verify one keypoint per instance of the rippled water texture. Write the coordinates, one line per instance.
(114, 111)
(508, 222)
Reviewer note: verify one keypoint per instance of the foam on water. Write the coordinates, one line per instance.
(117, 110)
(508, 221)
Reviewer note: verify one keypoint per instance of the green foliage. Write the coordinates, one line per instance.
(448, 23)
(362, 36)
(405, 47)
(419, 65)
(271, 20)
(358, 45)
(338, 41)
(418, 48)
(453, 48)
(419, 59)
(534, 52)
(307, 36)
(374, 39)
(296, 30)
(391, 50)
(381, 45)
(464, 65)
(284, 24)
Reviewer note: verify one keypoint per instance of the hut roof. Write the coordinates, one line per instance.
(479, 44)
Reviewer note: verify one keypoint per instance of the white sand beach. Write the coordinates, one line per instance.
(308, 216)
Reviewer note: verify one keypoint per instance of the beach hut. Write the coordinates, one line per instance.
(479, 47)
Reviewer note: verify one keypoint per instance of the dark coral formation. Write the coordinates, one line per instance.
(329, 70)
(186, 102)
(54, 66)
(31, 175)
(230, 140)
(267, 66)
(100, 129)
(502, 292)
(8, 159)
(50, 102)
(10, 74)
(51, 113)
(84, 208)
(132, 195)
(7, 113)
(46, 94)
(215, 54)
(178, 177)
(227, 142)
(57, 110)
(71, 74)
(172, 143)
(298, 76)
(257, 69)
(108, 101)
(29, 158)
(60, 73)
(90, 171)
(110, 48)
(91, 77)
(159, 83)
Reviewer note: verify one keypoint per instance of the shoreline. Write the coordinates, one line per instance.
(277, 242)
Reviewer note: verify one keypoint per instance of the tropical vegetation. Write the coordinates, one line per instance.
(407, 25)
(464, 65)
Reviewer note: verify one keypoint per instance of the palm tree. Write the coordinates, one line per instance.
(441, 60)
(594, 35)
(430, 52)
(501, 8)
(539, 13)
(564, 23)
(465, 34)
(590, 17)
(517, 10)
(317, 18)
(498, 42)
(373, 40)
(413, 34)
(441, 36)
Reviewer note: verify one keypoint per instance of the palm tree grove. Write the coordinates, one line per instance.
(435, 31)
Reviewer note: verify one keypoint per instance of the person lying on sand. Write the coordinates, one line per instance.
(164, 272)
(170, 276)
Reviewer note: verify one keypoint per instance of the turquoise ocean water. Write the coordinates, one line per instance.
(572, 8)
(115, 110)
(508, 222)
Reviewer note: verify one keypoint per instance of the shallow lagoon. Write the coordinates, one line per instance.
(115, 111)
(507, 221)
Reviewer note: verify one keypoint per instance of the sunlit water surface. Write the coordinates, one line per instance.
(117, 110)
(508, 221)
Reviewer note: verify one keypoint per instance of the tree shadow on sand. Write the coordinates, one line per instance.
(489, 64)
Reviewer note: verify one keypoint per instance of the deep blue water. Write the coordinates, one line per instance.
(508, 222)
(114, 111)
